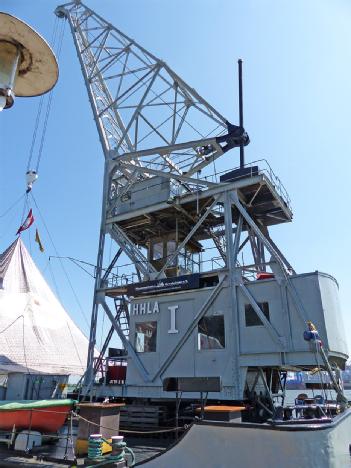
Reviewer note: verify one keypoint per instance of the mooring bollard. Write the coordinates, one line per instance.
(95, 446)
(117, 446)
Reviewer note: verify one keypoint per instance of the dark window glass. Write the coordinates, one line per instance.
(210, 332)
(145, 337)
(251, 318)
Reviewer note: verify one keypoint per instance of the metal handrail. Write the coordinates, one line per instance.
(266, 170)
(269, 173)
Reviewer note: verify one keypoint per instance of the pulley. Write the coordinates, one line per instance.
(31, 177)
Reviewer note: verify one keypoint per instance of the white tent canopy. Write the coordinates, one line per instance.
(36, 333)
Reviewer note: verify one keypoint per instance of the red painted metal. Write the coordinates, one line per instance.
(262, 275)
(116, 373)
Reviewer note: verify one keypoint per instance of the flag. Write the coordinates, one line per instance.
(27, 222)
(38, 240)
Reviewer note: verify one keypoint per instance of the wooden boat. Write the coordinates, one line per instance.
(39, 415)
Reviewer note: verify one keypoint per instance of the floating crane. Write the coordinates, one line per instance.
(233, 328)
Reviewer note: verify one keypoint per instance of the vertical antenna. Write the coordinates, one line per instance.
(241, 112)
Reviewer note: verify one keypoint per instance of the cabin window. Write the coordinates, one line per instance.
(145, 337)
(157, 251)
(210, 332)
(251, 318)
(171, 248)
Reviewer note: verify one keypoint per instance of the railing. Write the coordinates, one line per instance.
(186, 265)
(116, 279)
(178, 189)
(215, 262)
(277, 183)
(265, 169)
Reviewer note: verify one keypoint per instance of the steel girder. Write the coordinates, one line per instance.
(143, 110)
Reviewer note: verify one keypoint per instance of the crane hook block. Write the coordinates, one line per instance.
(31, 177)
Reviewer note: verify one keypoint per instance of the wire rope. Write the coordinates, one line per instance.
(9, 227)
(36, 127)
(24, 345)
(40, 106)
(74, 344)
(10, 224)
(10, 325)
(172, 429)
(25, 207)
(2, 215)
(54, 282)
(46, 266)
(61, 263)
(48, 109)
(57, 40)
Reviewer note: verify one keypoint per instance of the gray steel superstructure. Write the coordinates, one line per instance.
(233, 322)
(210, 295)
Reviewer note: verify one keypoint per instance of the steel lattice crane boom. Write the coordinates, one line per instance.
(145, 113)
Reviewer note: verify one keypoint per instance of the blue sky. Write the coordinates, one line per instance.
(297, 64)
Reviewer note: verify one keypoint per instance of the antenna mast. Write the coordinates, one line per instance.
(241, 109)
